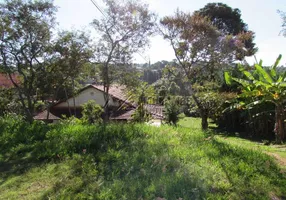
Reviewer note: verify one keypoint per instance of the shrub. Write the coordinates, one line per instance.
(141, 114)
(65, 139)
(172, 110)
(92, 112)
(14, 131)
(8, 102)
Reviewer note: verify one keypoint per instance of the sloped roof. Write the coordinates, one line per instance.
(155, 110)
(125, 116)
(117, 91)
(5, 81)
(43, 116)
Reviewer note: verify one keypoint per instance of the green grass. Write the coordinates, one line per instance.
(277, 151)
(137, 162)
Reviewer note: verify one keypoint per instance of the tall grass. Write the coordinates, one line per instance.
(135, 161)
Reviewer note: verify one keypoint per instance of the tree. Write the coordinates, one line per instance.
(228, 21)
(264, 85)
(141, 95)
(200, 48)
(123, 31)
(25, 33)
(68, 55)
(210, 100)
(172, 110)
(91, 112)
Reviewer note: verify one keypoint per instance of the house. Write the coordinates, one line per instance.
(120, 106)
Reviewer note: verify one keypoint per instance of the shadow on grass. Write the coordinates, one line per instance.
(17, 163)
(251, 174)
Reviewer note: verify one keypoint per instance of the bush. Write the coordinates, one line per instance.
(172, 110)
(14, 131)
(65, 139)
(92, 112)
(8, 102)
(141, 114)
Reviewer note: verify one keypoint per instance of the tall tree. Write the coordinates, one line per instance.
(228, 21)
(200, 47)
(69, 53)
(123, 31)
(25, 33)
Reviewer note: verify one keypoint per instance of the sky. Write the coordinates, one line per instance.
(260, 15)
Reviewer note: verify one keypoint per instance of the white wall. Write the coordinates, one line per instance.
(86, 95)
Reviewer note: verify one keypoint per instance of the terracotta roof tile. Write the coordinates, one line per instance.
(43, 116)
(116, 91)
(155, 110)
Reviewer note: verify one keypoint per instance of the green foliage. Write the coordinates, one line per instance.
(229, 21)
(141, 114)
(92, 112)
(194, 35)
(141, 95)
(133, 161)
(26, 27)
(40, 58)
(8, 102)
(210, 99)
(120, 37)
(58, 79)
(144, 93)
(224, 17)
(15, 131)
(263, 85)
(40, 106)
(171, 110)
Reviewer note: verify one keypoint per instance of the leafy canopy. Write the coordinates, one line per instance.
(229, 21)
(264, 84)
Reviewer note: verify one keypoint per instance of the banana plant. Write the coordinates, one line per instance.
(261, 85)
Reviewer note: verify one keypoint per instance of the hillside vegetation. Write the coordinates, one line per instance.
(126, 161)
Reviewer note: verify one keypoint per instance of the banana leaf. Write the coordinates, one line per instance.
(266, 76)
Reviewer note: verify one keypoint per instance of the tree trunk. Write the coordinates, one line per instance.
(29, 116)
(106, 106)
(203, 112)
(279, 125)
(106, 91)
(204, 117)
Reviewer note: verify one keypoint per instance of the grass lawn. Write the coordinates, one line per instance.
(277, 151)
(149, 163)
